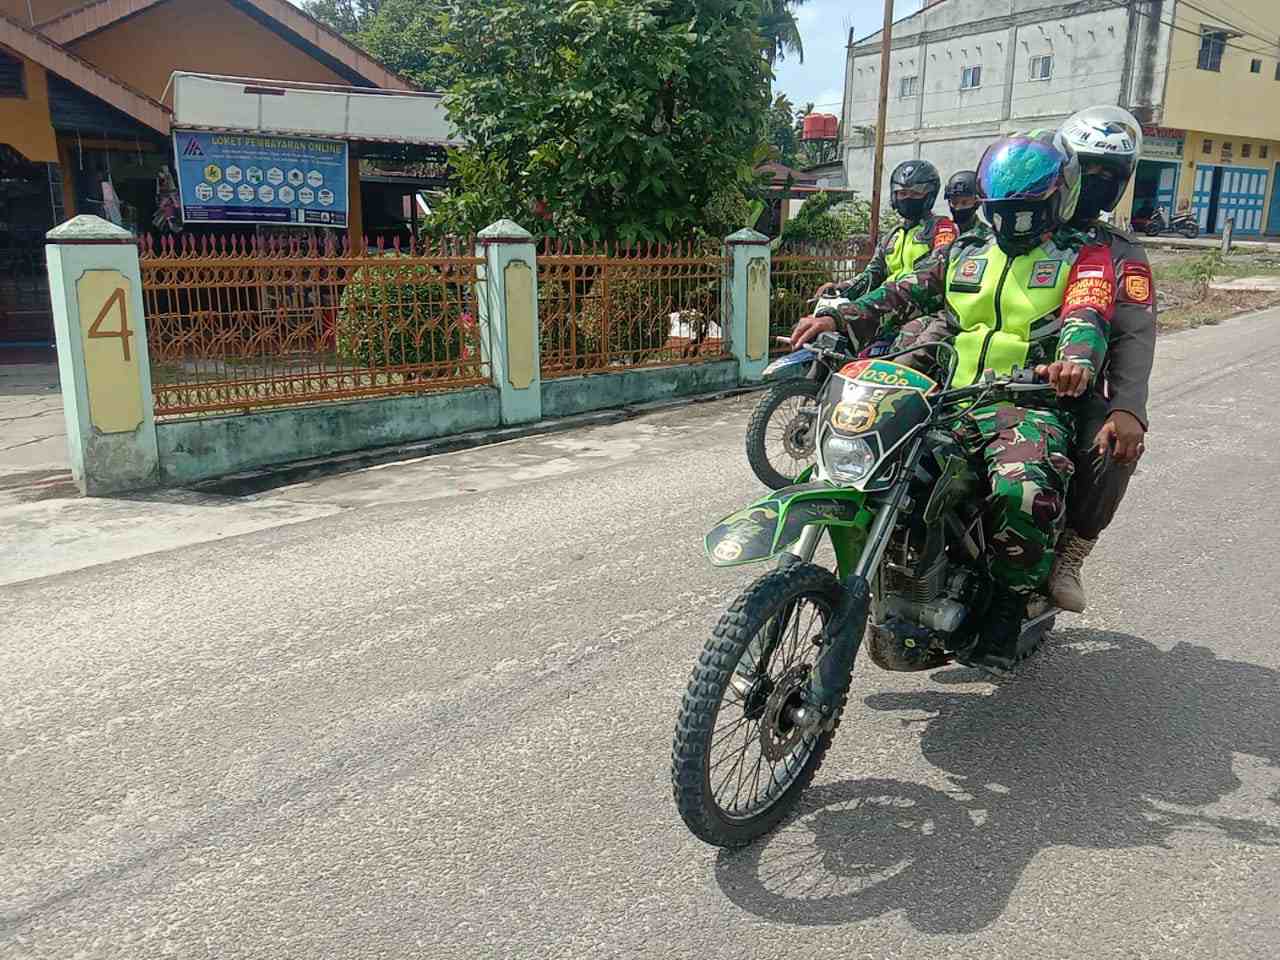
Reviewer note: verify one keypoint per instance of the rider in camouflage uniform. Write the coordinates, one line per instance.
(1035, 293)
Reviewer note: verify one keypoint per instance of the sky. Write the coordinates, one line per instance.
(824, 28)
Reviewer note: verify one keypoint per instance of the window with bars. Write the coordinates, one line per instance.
(1263, 151)
(1255, 66)
(970, 77)
(907, 87)
(1206, 146)
(1246, 150)
(11, 78)
(1042, 67)
(1212, 43)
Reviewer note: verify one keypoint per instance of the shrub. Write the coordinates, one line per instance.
(1202, 271)
(396, 314)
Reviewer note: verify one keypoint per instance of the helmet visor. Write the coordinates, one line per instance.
(1019, 168)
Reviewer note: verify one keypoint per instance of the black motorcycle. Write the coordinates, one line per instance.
(1185, 224)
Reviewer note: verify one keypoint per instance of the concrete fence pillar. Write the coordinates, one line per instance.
(749, 302)
(509, 319)
(96, 289)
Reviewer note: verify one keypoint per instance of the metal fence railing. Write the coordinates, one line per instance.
(796, 274)
(237, 324)
(613, 308)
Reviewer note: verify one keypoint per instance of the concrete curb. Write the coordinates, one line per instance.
(251, 482)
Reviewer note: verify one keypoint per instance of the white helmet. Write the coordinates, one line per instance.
(1110, 136)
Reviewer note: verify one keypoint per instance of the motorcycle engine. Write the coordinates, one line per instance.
(918, 585)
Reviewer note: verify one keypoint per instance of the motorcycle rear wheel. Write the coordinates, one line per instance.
(781, 436)
(740, 696)
(1190, 230)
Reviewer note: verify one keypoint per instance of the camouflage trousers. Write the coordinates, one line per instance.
(1026, 453)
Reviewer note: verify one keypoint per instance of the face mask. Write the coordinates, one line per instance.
(1018, 231)
(910, 209)
(963, 218)
(1096, 195)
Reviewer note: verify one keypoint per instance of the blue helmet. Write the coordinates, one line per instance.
(1029, 185)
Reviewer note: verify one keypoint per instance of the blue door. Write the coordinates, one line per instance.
(1167, 188)
(1242, 197)
(1220, 192)
(1273, 223)
(1202, 194)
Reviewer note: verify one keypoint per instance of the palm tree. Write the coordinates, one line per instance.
(780, 30)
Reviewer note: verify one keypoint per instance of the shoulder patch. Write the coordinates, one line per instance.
(944, 234)
(1136, 286)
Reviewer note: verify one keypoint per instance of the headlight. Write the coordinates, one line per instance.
(848, 459)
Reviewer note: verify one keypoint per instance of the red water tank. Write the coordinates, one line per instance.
(820, 126)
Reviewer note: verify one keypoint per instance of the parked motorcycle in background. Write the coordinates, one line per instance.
(1184, 224)
(780, 433)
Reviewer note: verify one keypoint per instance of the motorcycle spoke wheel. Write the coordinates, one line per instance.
(739, 763)
(782, 434)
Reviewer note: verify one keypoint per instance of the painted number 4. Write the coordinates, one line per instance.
(124, 333)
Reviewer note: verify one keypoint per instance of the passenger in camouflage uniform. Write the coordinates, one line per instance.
(962, 199)
(913, 190)
(1113, 420)
(1034, 293)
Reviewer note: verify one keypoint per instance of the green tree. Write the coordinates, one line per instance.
(347, 17)
(784, 130)
(625, 116)
(780, 30)
(403, 34)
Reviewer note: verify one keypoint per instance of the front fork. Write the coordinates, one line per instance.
(829, 678)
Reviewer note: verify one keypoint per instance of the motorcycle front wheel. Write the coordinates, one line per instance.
(1153, 229)
(782, 432)
(738, 762)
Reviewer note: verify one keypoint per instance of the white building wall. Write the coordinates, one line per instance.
(1088, 39)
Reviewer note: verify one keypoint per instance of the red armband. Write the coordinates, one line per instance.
(1092, 283)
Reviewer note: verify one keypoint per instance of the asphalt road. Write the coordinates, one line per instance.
(426, 711)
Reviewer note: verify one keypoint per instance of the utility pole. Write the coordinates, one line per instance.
(886, 39)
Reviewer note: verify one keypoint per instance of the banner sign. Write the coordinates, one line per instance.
(252, 178)
(1161, 148)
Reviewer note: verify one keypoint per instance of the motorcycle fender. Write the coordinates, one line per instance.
(774, 522)
(794, 364)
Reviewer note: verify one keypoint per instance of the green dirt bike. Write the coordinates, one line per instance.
(901, 504)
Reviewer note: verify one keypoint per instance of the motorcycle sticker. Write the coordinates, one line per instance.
(855, 417)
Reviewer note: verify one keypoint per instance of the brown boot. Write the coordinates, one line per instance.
(1065, 584)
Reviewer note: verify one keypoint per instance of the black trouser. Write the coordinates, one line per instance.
(1095, 492)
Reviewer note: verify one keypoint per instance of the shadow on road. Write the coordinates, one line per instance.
(1104, 742)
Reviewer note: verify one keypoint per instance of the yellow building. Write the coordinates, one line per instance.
(88, 117)
(1217, 148)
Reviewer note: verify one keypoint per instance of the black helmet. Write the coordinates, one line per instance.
(962, 184)
(1029, 185)
(916, 176)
